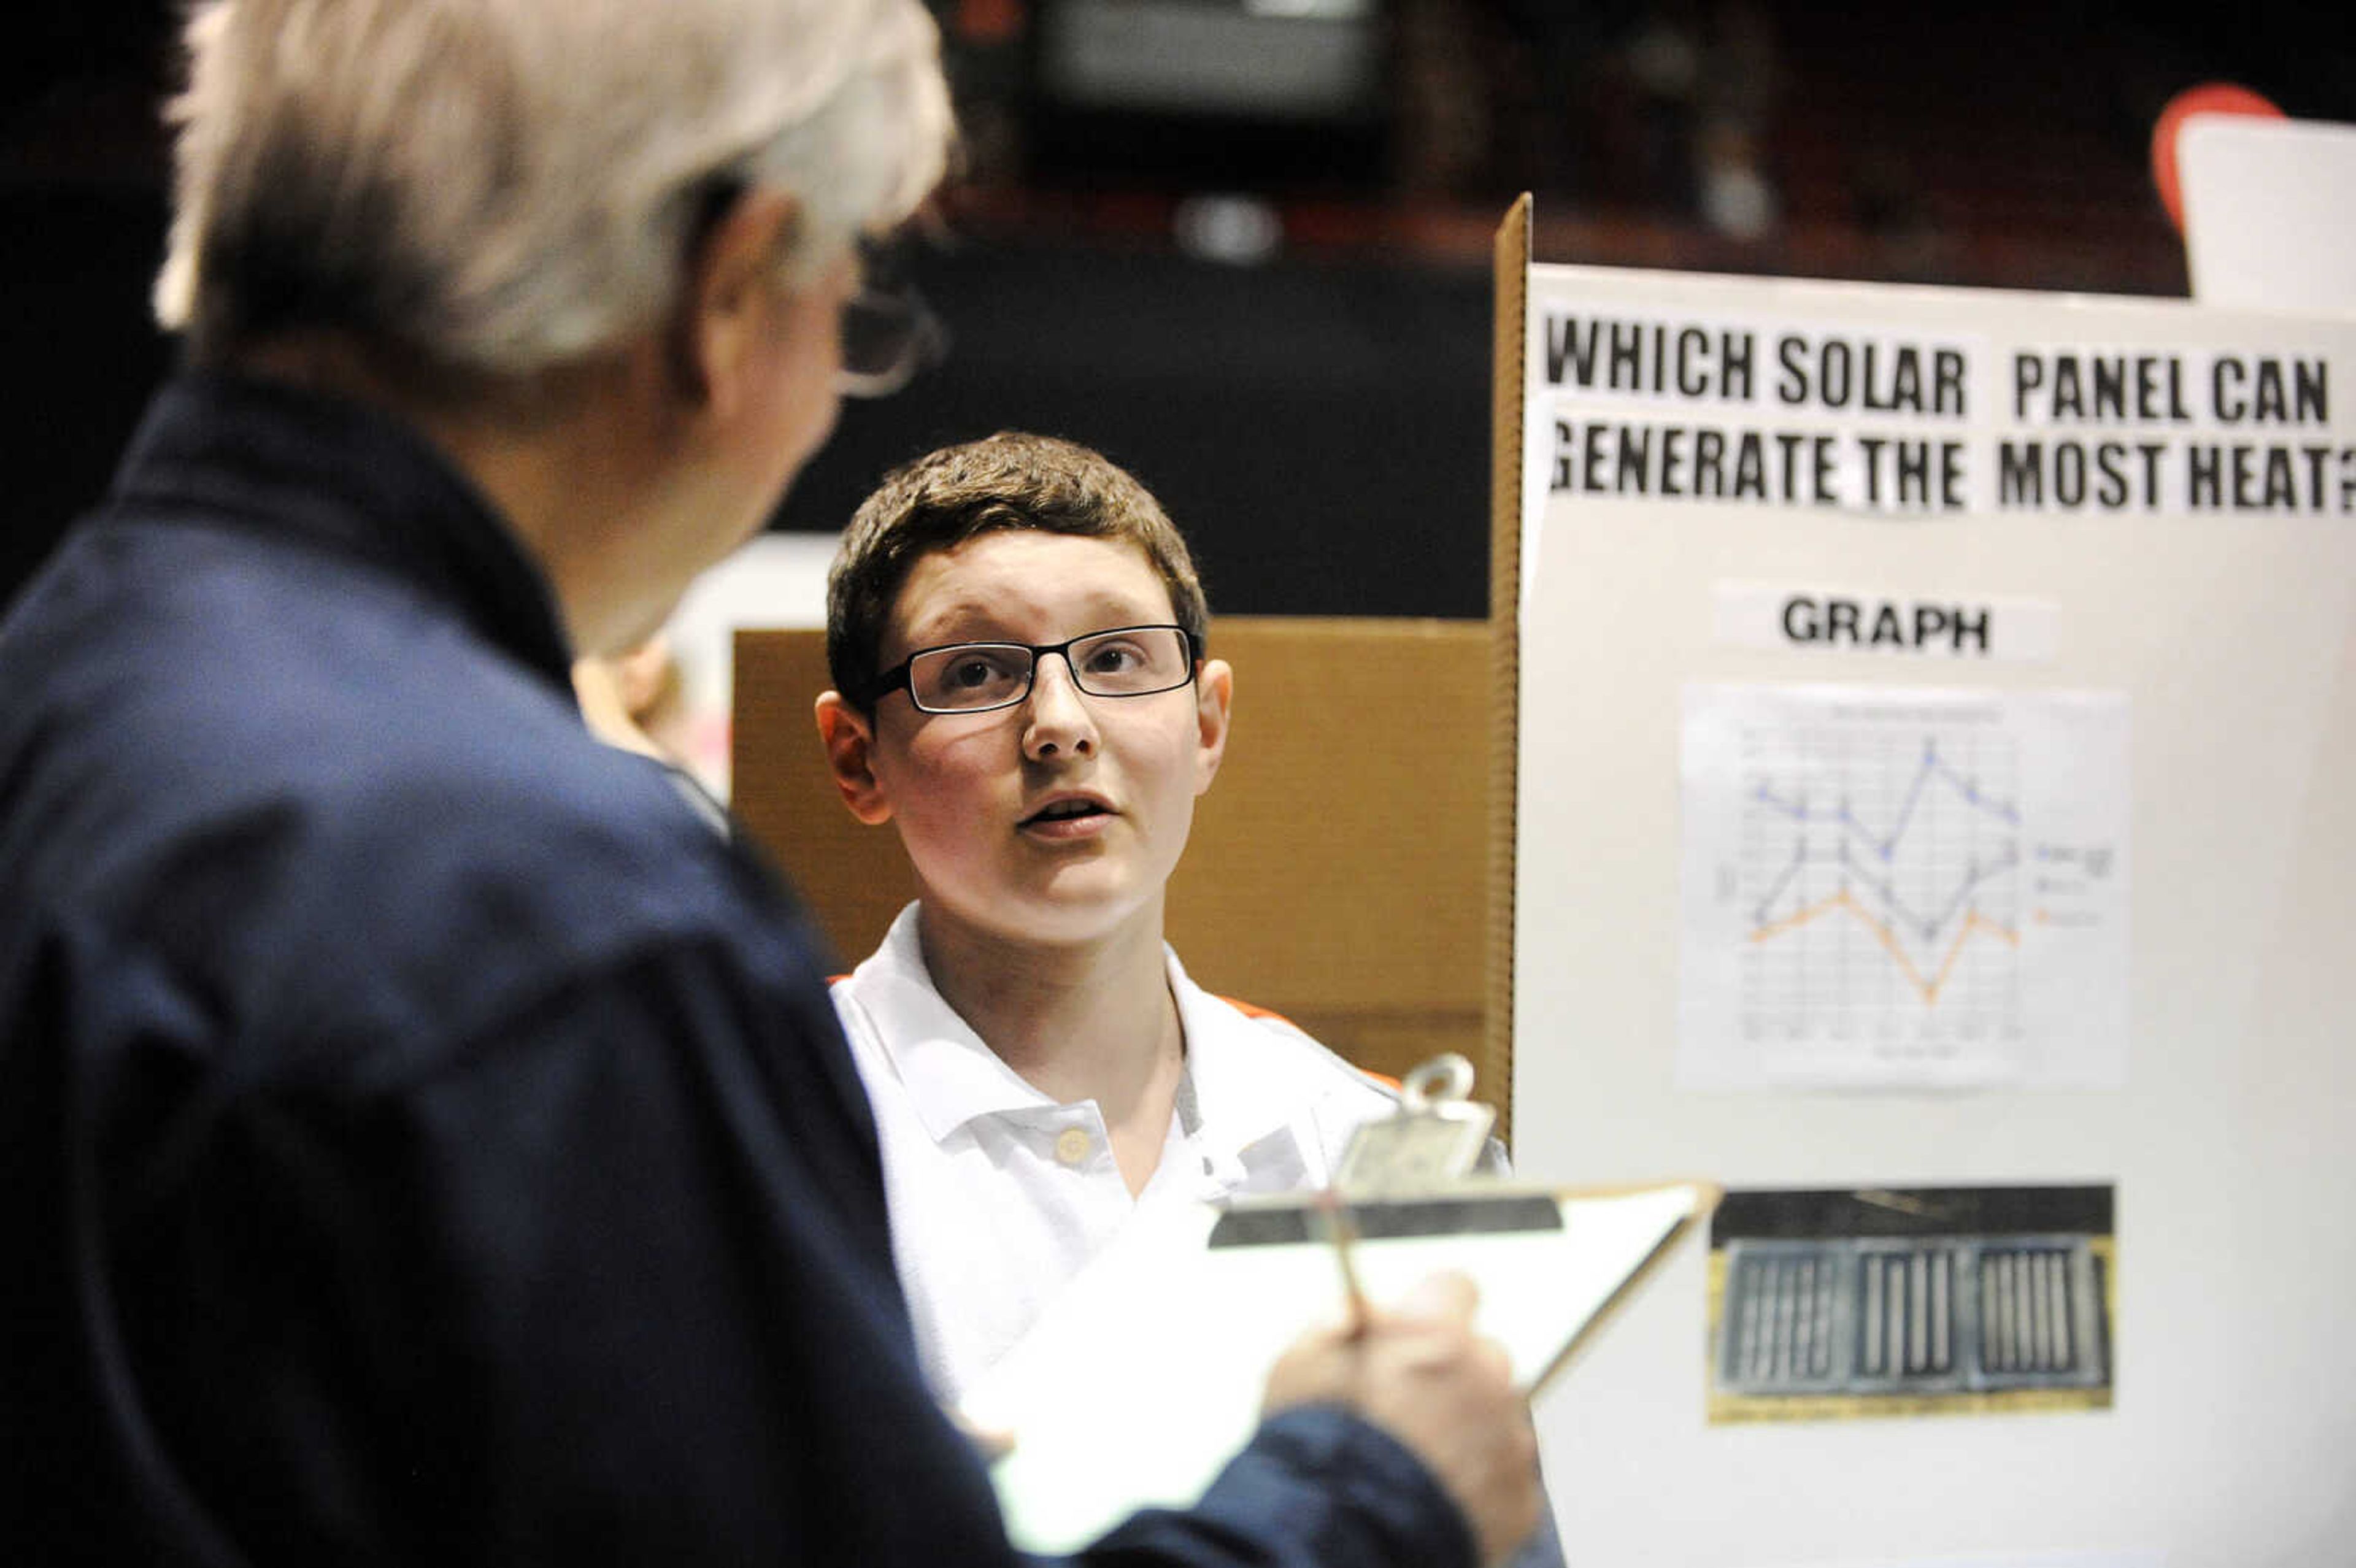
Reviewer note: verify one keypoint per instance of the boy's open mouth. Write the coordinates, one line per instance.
(1063, 811)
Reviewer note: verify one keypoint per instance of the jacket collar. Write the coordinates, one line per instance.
(342, 477)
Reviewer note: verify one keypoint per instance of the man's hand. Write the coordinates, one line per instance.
(1419, 1371)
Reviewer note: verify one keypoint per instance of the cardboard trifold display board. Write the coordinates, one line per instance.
(1935, 710)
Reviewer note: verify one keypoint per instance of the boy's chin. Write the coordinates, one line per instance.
(1069, 916)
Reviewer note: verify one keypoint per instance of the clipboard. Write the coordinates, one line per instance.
(1144, 1377)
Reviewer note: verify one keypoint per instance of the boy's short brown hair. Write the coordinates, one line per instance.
(1010, 480)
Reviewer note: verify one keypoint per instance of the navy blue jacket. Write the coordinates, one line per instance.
(423, 1140)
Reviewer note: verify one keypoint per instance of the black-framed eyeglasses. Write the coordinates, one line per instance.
(975, 677)
(889, 332)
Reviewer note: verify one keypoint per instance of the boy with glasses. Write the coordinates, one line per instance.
(1016, 635)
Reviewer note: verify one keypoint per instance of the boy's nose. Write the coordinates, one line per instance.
(1060, 721)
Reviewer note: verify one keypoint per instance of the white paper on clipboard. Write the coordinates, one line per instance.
(1145, 1378)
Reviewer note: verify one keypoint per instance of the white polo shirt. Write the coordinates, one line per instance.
(998, 1194)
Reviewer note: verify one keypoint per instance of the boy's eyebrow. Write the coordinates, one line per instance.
(979, 621)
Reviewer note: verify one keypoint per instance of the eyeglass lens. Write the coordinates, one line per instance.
(1132, 661)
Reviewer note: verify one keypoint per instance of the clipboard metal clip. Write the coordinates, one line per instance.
(1434, 1141)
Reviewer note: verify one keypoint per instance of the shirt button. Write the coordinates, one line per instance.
(1072, 1146)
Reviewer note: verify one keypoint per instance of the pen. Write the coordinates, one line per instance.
(1343, 1234)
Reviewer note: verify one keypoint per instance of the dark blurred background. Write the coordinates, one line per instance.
(1242, 247)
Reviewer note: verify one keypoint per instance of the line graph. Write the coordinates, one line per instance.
(1872, 879)
(1972, 924)
(1880, 866)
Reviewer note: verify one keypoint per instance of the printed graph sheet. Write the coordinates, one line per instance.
(1903, 887)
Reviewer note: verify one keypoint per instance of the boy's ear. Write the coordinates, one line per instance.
(850, 742)
(1215, 689)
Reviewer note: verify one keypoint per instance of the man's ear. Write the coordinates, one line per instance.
(849, 738)
(731, 293)
(1215, 689)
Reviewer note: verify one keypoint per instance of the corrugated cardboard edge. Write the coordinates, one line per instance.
(1512, 262)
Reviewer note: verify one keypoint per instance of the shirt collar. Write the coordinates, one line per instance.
(344, 477)
(949, 1075)
(1238, 1103)
(1246, 1097)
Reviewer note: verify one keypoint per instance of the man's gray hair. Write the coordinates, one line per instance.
(502, 186)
